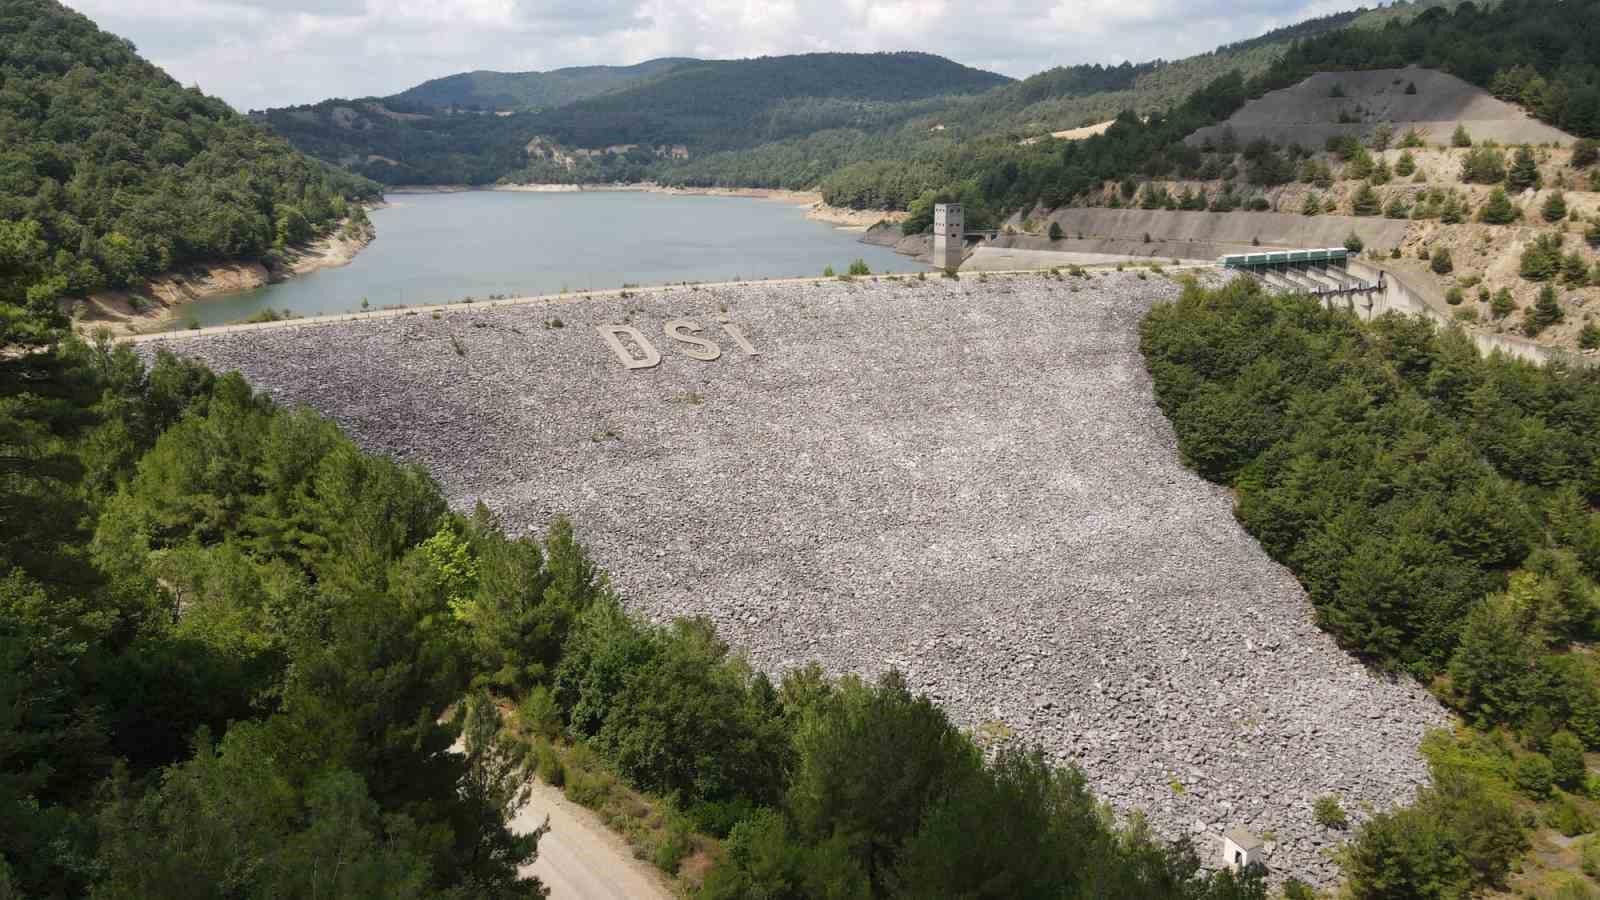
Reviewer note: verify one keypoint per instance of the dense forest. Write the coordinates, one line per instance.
(111, 172)
(1440, 509)
(518, 91)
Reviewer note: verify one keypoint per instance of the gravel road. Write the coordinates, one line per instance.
(968, 480)
(579, 858)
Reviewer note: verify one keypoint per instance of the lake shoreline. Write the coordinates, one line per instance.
(155, 305)
(728, 240)
(816, 209)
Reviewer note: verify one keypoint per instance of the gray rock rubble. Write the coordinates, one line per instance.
(969, 481)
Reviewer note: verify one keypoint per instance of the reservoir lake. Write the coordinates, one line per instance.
(438, 248)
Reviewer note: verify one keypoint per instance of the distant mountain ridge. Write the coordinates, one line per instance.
(530, 90)
(455, 131)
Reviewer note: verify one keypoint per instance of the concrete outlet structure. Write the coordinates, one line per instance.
(949, 235)
(1241, 849)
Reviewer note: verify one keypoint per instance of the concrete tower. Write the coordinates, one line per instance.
(949, 235)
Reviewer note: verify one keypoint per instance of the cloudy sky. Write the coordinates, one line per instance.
(258, 53)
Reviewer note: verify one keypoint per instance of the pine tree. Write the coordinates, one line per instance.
(1461, 138)
(1497, 210)
(1524, 172)
(1555, 207)
(1574, 270)
(1503, 304)
(1366, 202)
(1312, 205)
(1546, 311)
(1397, 208)
(1406, 164)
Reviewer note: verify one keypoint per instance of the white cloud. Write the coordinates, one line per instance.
(257, 53)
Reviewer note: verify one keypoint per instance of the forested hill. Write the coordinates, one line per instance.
(702, 106)
(528, 90)
(110, 171)
(729, 103)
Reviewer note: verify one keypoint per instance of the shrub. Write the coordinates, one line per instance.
(1565, 816)
(859, 267)
(1571, 887)
(1454, 296)
(1533, 775)
(1353, 242)
(1055, 231)
(1330, 814)
(548, 765)
(1484, 165)
(827, 271)
(1590, 854)
(591, 789)
(1441, 264)
(540, 713)
(1461, 138)
(1411, 87)
(1566, 760)
(672, 847)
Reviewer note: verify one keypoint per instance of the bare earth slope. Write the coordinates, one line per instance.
(968, 480)
(1308, 113)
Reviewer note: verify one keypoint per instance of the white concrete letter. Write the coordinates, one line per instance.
(684, 331)
(739, 338)
(652, 356)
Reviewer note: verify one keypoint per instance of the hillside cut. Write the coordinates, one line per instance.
(969, 481)
(1330, 104)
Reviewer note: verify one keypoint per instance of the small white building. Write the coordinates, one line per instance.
(1241, 849)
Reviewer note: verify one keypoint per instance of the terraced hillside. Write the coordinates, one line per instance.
(952, 478)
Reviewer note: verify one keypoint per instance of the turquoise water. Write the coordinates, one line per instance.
(436, 248)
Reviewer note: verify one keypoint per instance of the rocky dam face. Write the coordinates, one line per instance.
(967, 480)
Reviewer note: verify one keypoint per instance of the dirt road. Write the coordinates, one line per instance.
(580, 859)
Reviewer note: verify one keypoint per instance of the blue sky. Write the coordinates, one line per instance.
(257, 53)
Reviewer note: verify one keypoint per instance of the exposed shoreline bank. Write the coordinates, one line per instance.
(811, 201)
(156, 304)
